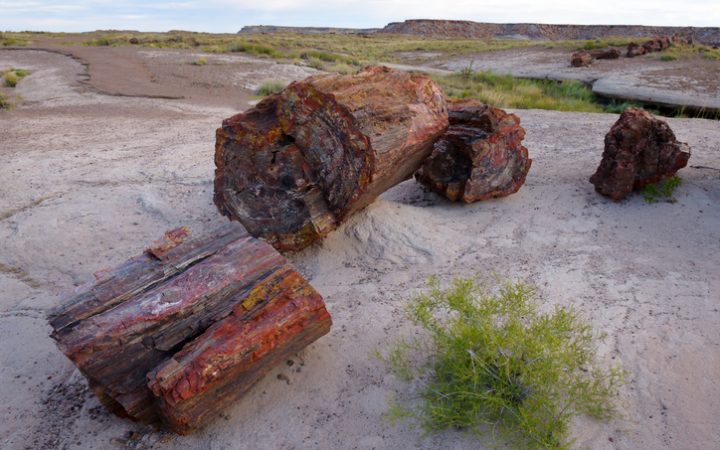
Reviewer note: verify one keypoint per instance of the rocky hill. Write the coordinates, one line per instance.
(478, 30)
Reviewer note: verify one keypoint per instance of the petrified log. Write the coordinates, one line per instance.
(187, 327)
(639, 150)
(479, 157)
(605, 53)
(299, 163)
(581, 59)
(634, 49)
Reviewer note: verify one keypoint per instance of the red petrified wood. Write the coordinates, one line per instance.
(302, 161)
(479, 157)
(639, 150)
(177, 333)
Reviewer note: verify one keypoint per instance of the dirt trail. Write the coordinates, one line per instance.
(88, 179)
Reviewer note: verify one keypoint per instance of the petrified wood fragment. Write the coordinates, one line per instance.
(639, 150)
(189, 325)
(480, 156)
(581, 59)
(299, 163)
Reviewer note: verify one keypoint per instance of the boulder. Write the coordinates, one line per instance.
(639, 150)
(480, 156)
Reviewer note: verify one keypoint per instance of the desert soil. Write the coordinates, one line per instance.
(89, 179)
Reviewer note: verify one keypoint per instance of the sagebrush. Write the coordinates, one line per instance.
(492, 362)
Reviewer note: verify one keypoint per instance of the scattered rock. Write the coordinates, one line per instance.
(581, 59)
(639, 150)
(479, 157)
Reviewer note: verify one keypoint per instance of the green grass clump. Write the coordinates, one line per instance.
(201, 61)
(270, 87)
(253, 49)
(493, 363)
(13, 76)
(687, 51)
(4, 102)
(8, 39)
(664, 189)
(507, 91)
(11, 79)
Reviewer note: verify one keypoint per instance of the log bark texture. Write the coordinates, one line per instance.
(227, 293)
(639, 150)
(480, 156)
(302, 161)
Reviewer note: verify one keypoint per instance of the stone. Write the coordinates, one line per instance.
(479, 157)
(639, 150)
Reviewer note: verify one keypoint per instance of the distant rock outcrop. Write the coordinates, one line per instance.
(478, 30)
(480, 156)
(639, 150)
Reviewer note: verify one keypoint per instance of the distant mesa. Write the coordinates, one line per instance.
(464, 29)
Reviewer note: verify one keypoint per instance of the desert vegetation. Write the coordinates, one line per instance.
(11, 77)
(662, 190)
(491, 362)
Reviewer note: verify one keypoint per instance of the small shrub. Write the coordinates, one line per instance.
(201, 61)
(270, 87)
(668, 58)
(664, 189)
(4, 102)
(494, 363)
(21, 73)
(11, 79)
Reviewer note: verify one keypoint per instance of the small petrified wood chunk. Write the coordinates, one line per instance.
(480, 156)
(189, 325)
(639, 150)
(299, 163)
(581, 59)
(634, 49)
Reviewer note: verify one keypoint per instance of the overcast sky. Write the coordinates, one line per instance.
(229, 16)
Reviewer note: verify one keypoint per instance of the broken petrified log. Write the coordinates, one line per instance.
(634, 49)
(480, 156)
(605, 53)
(187, 327)
(639, 150)
(581, 59)
(302, 161)
(653, 45)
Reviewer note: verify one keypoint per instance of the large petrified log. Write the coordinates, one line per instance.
(605, 53)
(480, 156)
(657, 44)
(299, 163)
(187, 327)
(639, 150)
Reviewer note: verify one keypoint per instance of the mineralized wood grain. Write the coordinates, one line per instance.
(302, 161)
(156, 305)
(480, 156)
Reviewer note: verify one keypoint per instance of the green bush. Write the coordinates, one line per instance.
(492, 362)
(4, 102)
(201, 61)
(270, 87)
(11, 79)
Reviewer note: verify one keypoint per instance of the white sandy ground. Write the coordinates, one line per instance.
(87, 181)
